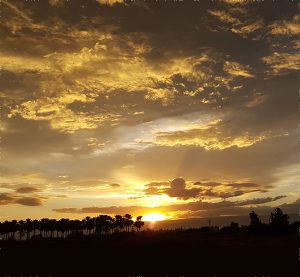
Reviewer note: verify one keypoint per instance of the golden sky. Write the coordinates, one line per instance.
(183, 108)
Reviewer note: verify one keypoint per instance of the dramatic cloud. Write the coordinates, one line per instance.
(104, 103)
(215, 135)
(204, 190)
(286, 27)
(237, 69)
(283, 62)
(237, 20)
(178, 189)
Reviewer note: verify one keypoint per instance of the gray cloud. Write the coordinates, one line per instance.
(178, 188)
(198, 208)
(29, 201)
(8, 199)
(257, 201)
(115, 185)
(27, 190)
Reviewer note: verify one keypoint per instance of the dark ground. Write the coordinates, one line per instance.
(153, 254)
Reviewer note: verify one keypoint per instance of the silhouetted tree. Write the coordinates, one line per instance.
(234, 226)
(279, 222)
(44, 227)
(6, 229)
(138, 224)
(103, 224)
(128, 221)
(21, 226)
(63, 226)
(89, 224)
(255, 223)
(35, 226)
(28, 227)
(1, 231)
(119, 222)
(52, 226)
(13, 227)
(254, 219)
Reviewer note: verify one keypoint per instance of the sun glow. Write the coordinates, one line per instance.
(153, 217)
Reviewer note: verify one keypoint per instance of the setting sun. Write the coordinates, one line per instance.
(153, 217)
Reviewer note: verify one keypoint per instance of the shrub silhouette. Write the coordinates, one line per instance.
(231, 229)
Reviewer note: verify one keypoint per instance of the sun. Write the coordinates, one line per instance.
(153, 217)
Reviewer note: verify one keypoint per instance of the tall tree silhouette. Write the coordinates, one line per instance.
(255, 223)
(21, 226)
(28, 228)
(139, 223)
(89, 224)
(128, 221)
(35, 226)
(63, 226)
(254, 219)
(119, 222)
(103, 224)
(279, 222)
(13, 227)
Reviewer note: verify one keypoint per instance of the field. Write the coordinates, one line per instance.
(153, 253)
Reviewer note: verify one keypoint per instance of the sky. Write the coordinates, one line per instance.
(183, 108)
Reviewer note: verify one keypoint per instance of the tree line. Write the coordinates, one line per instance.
(50, 228)
(105, 225)
(278, 224)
